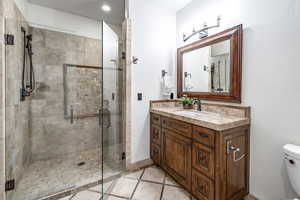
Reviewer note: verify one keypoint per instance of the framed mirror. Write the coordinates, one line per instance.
(212, 67)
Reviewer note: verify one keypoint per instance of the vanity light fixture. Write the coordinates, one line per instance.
(106, 8)
(202, 32)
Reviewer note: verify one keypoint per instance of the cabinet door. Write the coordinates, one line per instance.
(155, 154)
(177, 157)
(237, 166)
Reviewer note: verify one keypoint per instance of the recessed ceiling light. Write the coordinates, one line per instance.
(106, 8)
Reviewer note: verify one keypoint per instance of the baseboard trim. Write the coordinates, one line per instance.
(250, 197)
(140, 164)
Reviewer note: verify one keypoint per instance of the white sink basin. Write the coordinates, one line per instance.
(190, 112)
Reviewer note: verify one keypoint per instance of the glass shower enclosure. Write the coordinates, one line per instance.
(67, 134)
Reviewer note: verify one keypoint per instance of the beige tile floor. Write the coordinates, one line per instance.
(147, 184)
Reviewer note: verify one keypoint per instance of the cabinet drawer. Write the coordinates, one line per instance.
(204, 136)
(155, 119)
(182, 128)
(203, 159)
(202, 187)
(155, 153)
(155, 134)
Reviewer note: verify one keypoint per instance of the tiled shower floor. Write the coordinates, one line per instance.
(43, 178)
(147, 184)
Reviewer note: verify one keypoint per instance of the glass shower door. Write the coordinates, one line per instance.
(53, 137)
(67, 135)
(112, 132)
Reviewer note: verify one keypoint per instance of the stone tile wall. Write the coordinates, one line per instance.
(126, 103)
(36, 128)
(2, 150)
(82, 90)
(51, 134)
(17, 128)
(17, 144)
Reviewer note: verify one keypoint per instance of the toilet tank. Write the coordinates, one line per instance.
(292, 161)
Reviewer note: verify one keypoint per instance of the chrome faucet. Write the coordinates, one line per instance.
(198, 102)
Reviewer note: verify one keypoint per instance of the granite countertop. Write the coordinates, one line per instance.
(211, 120)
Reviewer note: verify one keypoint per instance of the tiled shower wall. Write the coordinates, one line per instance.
(17, 126)
(51, 134)
(17, 138)
(2, 176)
(36, 129)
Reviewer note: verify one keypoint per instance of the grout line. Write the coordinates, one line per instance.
(147, 181)
(163, 187)
(113, 195)
(111, 186)
(72, 196)
(139, 180)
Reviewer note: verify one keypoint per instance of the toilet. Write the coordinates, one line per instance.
(292, 161)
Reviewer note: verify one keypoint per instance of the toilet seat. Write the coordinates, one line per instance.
(292, 161)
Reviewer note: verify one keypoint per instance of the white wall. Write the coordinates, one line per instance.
(47, 18)
(153, 43)
(193, 63)
(22, 5)
(271, 74)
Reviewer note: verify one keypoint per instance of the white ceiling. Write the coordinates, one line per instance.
(173, 5)
(88, 8)
(92, 8)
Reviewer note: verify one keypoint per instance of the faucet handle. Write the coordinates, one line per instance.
(197, 100)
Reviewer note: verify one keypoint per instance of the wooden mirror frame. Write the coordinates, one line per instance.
(235, 35)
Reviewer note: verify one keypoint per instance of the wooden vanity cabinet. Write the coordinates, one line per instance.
(212, 165)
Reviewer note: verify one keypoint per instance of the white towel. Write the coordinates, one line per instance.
(188, 84)
(167, 85)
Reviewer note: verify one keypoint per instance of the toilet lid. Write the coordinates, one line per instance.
(292, 150)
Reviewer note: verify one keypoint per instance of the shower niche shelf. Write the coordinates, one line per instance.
(82, 84)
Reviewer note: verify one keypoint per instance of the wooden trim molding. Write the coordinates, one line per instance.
(235, 35)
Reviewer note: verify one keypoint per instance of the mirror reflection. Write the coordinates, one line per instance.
(207, 69)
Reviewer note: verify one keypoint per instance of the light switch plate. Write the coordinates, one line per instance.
(140, 96)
